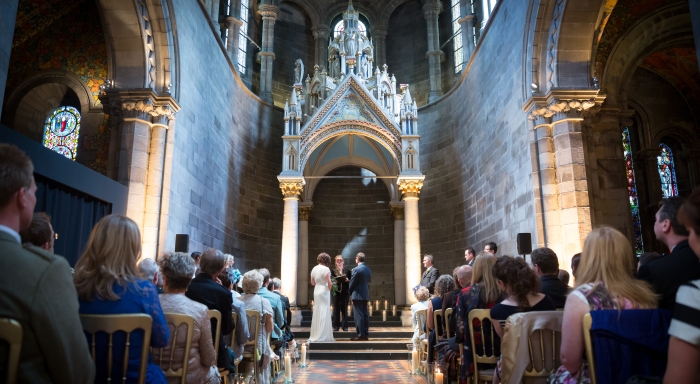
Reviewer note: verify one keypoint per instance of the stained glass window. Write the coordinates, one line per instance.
(340, 26)
(457, 30)
(61, 131)
(632, 192)
(667, 172)
(242, 37)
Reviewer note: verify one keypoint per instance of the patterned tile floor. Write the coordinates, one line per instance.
(356, 371)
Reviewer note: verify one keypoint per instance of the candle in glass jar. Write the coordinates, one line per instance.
(414, 362)
(349, 310)
(288, 367)
(384, 315)
(303, 355)
(393, 310)
(438, 376)
(369, 307)
(386, 305)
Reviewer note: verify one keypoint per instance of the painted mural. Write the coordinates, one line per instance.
(99, 143)
(678, 66)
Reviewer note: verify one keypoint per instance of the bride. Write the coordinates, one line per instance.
(321, 327)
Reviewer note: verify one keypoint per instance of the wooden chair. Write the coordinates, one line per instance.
(254, 329)
(92, 324)
(437, 316)
(214, 314)
(482, 315)
(11, 332)
(177, 320)
(588, 342)
(422, 320)
(448, 314)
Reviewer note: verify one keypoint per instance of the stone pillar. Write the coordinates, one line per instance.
(410, 188)
(267, 56)
(399, 254)
(291, 189)
(303, 271)
(154, 186)
(8, 15)
(549, 190)
(379, 39)
(467, 25)
(431, 10)
(234, 29)
(321, 34)
(214, 13)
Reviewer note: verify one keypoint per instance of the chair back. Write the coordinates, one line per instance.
(216, 315)
(447, 317)
(437, 317)
(234, 316)
(110, 324)
(422, 318)
(254, 330)
(11, 332)
(487, 335)
(177, 320)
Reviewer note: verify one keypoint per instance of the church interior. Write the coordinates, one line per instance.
(276, 130)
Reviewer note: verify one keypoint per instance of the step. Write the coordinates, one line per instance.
(352, 318)
(374, 313)
(351, 324)
(374, 334)
(358, 355)
(369, 345)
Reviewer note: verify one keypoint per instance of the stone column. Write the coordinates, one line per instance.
(234, 29)
(214, 13)
(321, 34)
(267, 56)
(291, 189)
(399, 254)
(154, 185)
(379, 39)
(467, 25)
(410, 188)
(8, 15)
(431, 10)
(303, 271)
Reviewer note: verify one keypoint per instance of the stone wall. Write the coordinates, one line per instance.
(351, 216)
(475, 152)
(224, 192)
(293, 40)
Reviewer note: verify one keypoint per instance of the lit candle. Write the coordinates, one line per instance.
(386, 304)
(312, 304)
(393, 310)
(376, 305)
(288, 367)
(384, 315)
(414, 362)
(438, 376)
(303, 354)
(369, 307)
(349, 310)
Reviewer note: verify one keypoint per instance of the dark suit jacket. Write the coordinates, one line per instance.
(359, 282)
(286, 307)
(668, 273)
(551, 286)
(205, 290)
(429, 278)
(344, 287)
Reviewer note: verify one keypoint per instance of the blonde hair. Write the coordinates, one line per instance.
(607, 258)
(482, 275)
(110, 257)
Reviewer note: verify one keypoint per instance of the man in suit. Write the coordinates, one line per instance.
(546, 265)
(359, 289)
(340, 301)
(277, 337)
(470, 256)
(276, 286)
(204, 289)
(668, 273)
(36, 287)
(491, 247)
(430, 275)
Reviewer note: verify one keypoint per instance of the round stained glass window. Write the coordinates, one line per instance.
(61, 131)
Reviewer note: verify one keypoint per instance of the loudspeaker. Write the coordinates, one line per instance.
(182, 243)
(524, 241)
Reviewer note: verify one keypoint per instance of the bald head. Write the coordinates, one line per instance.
(464, 275)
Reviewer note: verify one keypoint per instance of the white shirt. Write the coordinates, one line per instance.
(12, 233)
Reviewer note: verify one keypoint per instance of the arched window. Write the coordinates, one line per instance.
(339, 27)
(61, 131)
(632, 192)
(457, 37)
(242, 37)
(488, 6)
(667, 172)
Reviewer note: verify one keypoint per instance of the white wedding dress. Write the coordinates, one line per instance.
(321, 322)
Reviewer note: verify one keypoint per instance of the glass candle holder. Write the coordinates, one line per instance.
(393, 310)
(376, 305)
(386, 305)
(384, 315)
(369, 308)
(304, 355)
(441, 373)
(288, 367)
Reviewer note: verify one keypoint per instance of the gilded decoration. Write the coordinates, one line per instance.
(304, 213)
(410, 188)
(291, 189)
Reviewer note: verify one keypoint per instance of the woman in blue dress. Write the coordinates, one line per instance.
(107, 282)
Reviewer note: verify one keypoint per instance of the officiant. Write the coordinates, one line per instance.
(341, 276)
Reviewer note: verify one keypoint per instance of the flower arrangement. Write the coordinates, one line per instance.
(335, 288)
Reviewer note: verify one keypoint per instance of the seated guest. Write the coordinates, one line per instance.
(546, 266)
(603, 281)
(252, 282)
(278, 337)
(666, 274)
(422, 295)
(36, 288)
(177, 269)
(238, 307)
(483, 293)
(564, 276)
(195, 256)
(40, 232)
(575, 260)
(276, 286)
(684, 347)
(646, 258)
(450, 300)
(107, 281)
(148, 270)
(204, 289)
(444, 284)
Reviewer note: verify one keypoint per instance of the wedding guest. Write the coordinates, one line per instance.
(195, 256)
(252, 282)
(40, 232)
(575, 260)
(107, 281)
(546, 265)
(684, 347)
(647, 257)
(603, 281)
(422, 295)
(148, 269)
(564, 276)
(241, 328)
(444, 284)
(177, 269)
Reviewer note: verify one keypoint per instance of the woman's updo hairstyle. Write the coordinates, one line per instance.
(324, 259)
(518, 277)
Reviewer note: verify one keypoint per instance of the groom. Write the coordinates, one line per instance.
(359, 289)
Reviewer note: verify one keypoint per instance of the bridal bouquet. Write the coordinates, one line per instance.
(335, 288)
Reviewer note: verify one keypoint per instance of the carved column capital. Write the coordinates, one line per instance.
(379, 32)
(564, 104)
(268, 11)
(397, 212)
(139, 104)
(304, 211)
(432, 10)
(291, 189)
(322, 32)
(410, 187)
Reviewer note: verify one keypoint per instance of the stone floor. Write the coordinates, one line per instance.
(355, 371)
